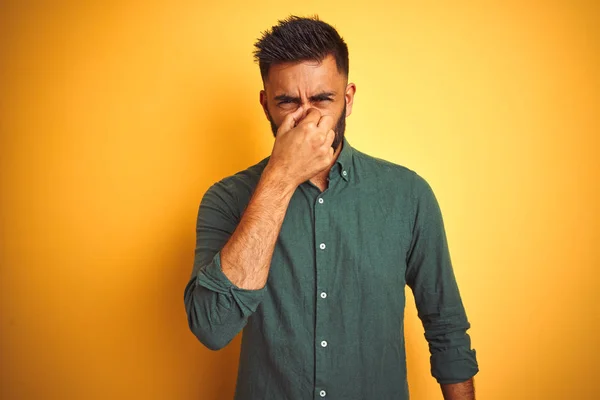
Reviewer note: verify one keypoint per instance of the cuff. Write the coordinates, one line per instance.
(454, 365)
(213, 278)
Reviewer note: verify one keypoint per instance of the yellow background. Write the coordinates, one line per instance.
(115, 118)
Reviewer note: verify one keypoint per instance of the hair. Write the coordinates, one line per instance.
(300, 39)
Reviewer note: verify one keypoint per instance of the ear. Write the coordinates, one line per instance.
(263, 103)
(349, 95)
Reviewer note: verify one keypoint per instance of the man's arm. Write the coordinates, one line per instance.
(221, 295)
(431, 277)
(246, 257)
(232, 260)
(459, 391)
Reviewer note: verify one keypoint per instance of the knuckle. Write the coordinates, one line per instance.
(310, 125)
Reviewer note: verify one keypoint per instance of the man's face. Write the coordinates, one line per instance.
(308, 84)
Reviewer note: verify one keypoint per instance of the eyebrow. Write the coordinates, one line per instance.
(316, 97)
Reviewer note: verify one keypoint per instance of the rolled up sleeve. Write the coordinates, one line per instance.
(217, 310)
(431, 277)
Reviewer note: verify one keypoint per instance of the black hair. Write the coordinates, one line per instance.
(300, 39)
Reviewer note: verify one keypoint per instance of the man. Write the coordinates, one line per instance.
(309, 250)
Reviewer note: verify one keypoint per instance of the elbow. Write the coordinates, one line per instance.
(211, 335)
(211, 340)
(213, 317)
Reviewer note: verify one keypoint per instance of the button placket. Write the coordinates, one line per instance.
(322, 263)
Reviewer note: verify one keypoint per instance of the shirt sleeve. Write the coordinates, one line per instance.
(217, 310)
(431, 277)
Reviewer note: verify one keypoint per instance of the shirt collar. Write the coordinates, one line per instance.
(345, 160)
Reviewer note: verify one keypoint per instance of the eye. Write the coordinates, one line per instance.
(284, 102)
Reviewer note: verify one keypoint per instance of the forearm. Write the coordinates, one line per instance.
(216, 311)
(459, 391)
(234, 252)
(246, 257)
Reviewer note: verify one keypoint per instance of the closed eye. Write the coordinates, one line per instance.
(285, 99)
(322, 97)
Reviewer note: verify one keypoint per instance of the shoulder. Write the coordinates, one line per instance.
(389, 174)
(235, 190)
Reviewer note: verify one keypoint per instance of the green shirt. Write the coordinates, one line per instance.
(329, 323)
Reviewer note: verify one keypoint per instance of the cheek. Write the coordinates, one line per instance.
(275, 114)
(278, 116)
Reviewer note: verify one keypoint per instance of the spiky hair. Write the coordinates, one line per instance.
(300, 39)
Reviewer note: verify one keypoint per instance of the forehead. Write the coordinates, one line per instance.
(308, 75)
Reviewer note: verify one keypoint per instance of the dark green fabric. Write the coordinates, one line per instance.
(382, 229)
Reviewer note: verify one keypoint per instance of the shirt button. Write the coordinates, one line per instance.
(344, 173)
(322, 393)
(320, 200)
(324, 343)
(323, 295)
(322, 246)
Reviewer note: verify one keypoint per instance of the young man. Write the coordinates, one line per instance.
(309, 250)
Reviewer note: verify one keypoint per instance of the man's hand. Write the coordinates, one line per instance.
(459, 391)
(303, 150)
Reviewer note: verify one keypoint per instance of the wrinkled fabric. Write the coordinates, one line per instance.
(329, 323)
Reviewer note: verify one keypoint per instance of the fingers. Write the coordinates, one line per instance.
(313, 115)
(326, 123)
(329, 138)
(290, 120)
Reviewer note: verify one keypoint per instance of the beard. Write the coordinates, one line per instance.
(339, 129)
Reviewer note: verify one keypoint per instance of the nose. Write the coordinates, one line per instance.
(304, 113)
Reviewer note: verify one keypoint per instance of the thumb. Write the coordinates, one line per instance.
(290, 120)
